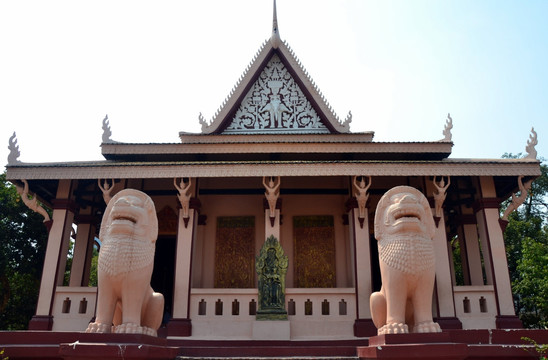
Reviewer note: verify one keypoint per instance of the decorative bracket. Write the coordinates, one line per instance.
(439, 197)
(184, 198)
(106, 189)
(272, 193)
(517, 200)
(32, 203)
(361, 196)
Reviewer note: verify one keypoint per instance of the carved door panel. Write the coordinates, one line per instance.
(314, 255)
(234, 252)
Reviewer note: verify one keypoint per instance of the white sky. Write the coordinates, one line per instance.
(153, 66)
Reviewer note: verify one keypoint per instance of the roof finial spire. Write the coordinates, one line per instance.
(275, 39)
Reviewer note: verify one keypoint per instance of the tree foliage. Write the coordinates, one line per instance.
(526, 239)
(23, 239)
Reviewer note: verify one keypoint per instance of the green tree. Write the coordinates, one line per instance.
(526, 239)
(23, 239)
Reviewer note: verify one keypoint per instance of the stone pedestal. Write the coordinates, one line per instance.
(271, 330)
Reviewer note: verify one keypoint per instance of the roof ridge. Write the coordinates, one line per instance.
(316, 88)
(207, 124)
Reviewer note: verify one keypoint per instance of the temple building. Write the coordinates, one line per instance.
(277, 161)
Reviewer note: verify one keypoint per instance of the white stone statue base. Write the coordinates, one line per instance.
(271, 330)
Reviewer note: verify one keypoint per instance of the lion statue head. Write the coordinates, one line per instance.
(128, 232)
(130, 212)
(403, 209)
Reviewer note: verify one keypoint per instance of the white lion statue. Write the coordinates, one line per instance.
(126, 303)
(404, 228)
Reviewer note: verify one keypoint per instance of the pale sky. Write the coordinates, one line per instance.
(153, 66)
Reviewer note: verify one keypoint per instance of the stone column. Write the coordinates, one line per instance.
(446, 316)
(470, 250)
(56, 256)
(180, 324)
(444, 284)
(359, 228)
(79, 272)
(496, 264)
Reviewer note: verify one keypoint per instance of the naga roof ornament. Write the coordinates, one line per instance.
(106, 130)
(531, 143)
(13, 157)
(275, 94)
(447, 129)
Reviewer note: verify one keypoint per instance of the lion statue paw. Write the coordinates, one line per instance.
(427, 327)
(399, 328)
(99, 328)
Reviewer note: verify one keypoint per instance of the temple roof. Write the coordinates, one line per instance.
(275, 94)
(259, 168)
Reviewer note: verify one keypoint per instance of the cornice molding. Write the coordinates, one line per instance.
(130, 170)
(311, 146)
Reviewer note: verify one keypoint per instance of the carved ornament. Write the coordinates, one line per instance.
(14, 151)
(447, 130)
(361, 196)
(106, 130)
(276, 104)
(517, 200)
(32, 202)
(531, 143)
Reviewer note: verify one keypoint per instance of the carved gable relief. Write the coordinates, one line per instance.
(276, 104)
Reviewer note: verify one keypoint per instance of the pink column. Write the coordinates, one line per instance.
(56, 256)
(79, 272)
(363, 326)
(470, 250)
(180, 324)
(496, 264)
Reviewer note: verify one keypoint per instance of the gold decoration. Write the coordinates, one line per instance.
(314, 241)
(234, 249)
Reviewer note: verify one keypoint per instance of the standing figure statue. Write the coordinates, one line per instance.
(271, 266)
(361, 194)
(272, 193)
(275, 107)
(184, 195)
(518, 200)
(440, 195)
(106, 188)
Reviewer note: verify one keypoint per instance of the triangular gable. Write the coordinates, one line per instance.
(275, 95)
(275, 103)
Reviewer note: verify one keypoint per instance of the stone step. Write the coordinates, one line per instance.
(271, 358)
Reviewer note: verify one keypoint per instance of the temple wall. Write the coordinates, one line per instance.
(215, 206)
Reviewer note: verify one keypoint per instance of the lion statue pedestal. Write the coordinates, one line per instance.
(404, 228)
(125, 302)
